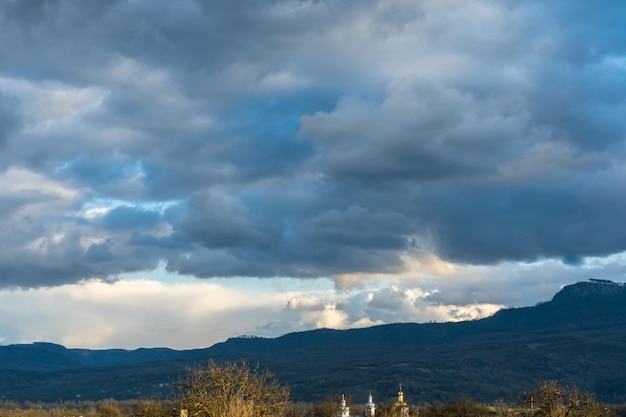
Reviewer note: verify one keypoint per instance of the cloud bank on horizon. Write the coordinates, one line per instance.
(340, 139)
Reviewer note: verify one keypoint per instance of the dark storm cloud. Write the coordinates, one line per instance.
(307, 138)
(490, 224)
(422, 131)
(358, 227)
(343, 241)
(330, 243)
(217, 222)
(53, 260)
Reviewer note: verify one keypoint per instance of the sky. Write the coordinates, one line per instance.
(173, 174)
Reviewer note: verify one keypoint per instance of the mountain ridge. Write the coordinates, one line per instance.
(578, 337)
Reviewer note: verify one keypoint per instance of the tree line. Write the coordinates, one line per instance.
(235, 389)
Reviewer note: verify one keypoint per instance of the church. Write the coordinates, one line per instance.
(399, 409)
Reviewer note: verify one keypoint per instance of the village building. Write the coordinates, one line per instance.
(370, 407)
(344, 410)
(399, 409)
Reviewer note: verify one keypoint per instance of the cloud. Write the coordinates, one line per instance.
(304, 304)
(219, 222)
(489, 224)
(387, 299)
(134, 314)
(422, 131)
(125, 217)
(330, 139)
(9, 118)
(147, 313)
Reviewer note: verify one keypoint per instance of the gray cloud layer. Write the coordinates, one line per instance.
(307, 138)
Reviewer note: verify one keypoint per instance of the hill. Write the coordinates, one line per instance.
(577, 338)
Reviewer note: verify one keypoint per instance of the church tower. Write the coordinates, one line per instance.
(370, 407)
(344, 410)
(400, 408)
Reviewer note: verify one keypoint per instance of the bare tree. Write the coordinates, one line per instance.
(503, 409)
(549, 399)
(461, 407)
(298, 409)
(464, 407)
(151, 408)
(231, 389)
(328, 407)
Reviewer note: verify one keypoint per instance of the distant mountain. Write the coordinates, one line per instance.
(43, 356)
(577, 338)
